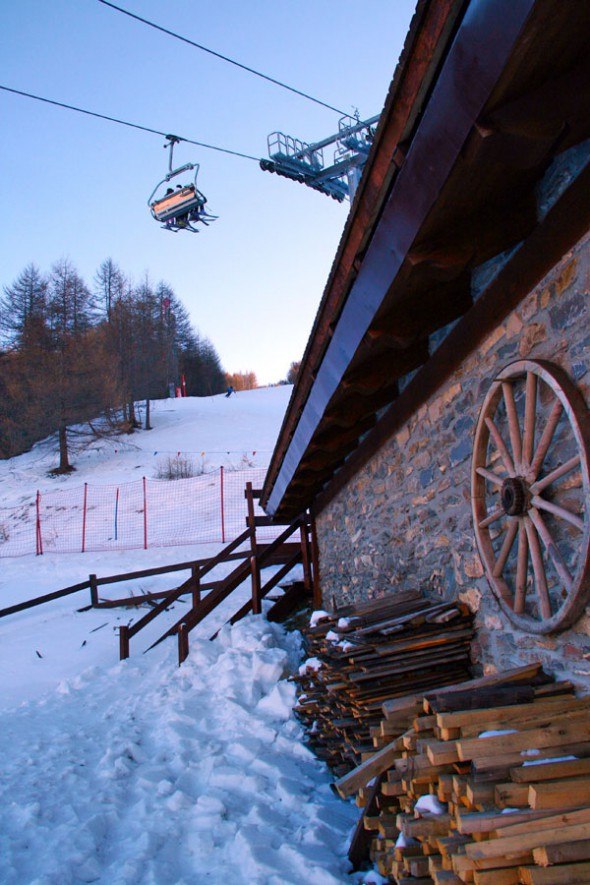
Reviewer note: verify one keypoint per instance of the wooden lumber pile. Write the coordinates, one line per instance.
(372, 653)
(488, 782)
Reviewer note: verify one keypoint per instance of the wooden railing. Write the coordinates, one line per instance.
(250, 565)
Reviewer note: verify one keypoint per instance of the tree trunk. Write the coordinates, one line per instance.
(64, 464)
(148, 426)
(133, 422)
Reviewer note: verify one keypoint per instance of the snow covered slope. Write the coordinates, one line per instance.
(216, 430)
(143, 772)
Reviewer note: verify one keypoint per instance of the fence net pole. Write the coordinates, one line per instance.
(145, 528)
(84, 509)
(38, 526)
(222, 505)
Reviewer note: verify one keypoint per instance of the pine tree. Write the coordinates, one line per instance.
(109, 287)
(22, 305)
(70, 303)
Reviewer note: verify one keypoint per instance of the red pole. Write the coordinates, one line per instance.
(222, 506)
(38, 526)
(144, 514)
(84, 517)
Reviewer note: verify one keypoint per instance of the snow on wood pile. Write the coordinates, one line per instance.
(370, 653)
(487, 781)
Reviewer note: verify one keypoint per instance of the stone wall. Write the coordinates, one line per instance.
(405, 519)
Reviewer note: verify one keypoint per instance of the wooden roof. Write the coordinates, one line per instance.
(483, 99)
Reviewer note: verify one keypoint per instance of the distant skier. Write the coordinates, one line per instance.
(230, 390)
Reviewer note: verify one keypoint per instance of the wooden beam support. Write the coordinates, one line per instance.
(382, 372)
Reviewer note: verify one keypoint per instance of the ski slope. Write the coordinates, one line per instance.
(141, 771)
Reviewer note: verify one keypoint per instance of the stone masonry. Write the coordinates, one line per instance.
(405, 519)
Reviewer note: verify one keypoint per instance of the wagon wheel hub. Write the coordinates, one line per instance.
(514, 496)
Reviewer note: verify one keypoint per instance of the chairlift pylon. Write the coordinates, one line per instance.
(181, 207)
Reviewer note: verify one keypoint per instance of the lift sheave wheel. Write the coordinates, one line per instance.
(530, 493)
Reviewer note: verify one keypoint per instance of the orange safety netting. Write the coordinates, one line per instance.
(144, 513)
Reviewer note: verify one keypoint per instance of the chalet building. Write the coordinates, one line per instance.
(439, 431)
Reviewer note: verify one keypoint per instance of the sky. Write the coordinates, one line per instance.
(77, 187)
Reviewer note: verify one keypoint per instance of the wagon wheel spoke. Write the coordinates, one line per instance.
(492, 517)
(538, 568)
(546, 439)
(522, 567)
(556, 474)
(551, 548)
(530, 414)
(501, 446)
(506, 548)
(490, 476)
(572, 518)
(513, 425)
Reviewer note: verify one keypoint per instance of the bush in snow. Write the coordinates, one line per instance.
(178, 467)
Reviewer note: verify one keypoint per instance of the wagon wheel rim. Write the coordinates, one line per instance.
(532, 439)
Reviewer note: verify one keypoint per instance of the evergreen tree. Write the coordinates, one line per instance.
(69, 301)
(22, 305)
(109, 287)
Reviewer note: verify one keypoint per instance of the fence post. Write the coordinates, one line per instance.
(305, 553)
(145, 535)
(123, 643)
(84, 517)
(93, 591)
(39, 536)
(182, 644)
(254, 567)
(222, 505)
(315, 560)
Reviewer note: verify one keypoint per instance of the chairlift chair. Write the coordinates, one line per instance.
(181, 207)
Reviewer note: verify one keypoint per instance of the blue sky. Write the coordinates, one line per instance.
(77, 187)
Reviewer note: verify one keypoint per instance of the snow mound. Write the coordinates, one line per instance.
(152, 773)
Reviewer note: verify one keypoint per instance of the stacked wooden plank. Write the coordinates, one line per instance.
(369, 654)
(489, 782)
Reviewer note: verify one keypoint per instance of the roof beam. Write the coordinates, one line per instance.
(483, 43)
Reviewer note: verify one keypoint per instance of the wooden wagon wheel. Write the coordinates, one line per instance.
(531, 495)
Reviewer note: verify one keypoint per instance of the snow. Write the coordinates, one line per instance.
(237, 433)
(550, 760)
(331, 636)
(143, 771)
(310, 665)
(215, 430)
(318, 616)
(148, 772)
(405, 841)
(496, 732)
(428, 804)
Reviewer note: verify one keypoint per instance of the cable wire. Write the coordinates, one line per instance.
(226, 58)
(71, 107)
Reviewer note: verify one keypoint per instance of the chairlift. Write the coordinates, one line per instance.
(180, 207)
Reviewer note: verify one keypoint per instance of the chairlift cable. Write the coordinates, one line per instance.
(226, 58)
(70, 107)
